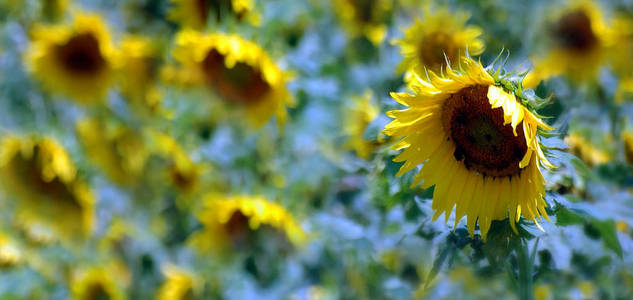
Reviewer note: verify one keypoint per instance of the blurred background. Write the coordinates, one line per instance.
(232, 149)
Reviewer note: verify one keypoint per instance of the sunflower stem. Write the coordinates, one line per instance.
(525, 264)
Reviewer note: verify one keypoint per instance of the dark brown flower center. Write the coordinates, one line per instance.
(628, 151)
(364, 10)
(30, 171)
(237, 225)
(184, 179)
(98, 292)
(150, 70)
(573, 31)
(481, 140)
(81, 54)
(241, 84)
(203, 9)
(239, 231)
(432, 50)
(243, 236)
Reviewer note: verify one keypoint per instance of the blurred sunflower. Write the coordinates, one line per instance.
(621, 51)
(580, 40)
(100, 282)
(439, 36)
(620, 56)
(74, 60)
(357, 117)
(227, 222)
(627, 137)
(118, 150)
(41, 175)
(10, 254)
(586, 150)
(179, 285)
(195, 14)
(183, 173)
(237, 70)
(138, 61)
(366, 18)
(477, 142)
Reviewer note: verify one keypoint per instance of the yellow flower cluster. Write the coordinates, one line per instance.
(81, 62)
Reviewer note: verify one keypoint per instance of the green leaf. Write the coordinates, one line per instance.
(581, 168)
(609, 235)
(566, 217)
(437, 265)
(454, 242)
(605, 228)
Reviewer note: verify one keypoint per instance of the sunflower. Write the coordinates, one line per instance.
(357, 117)
(227, 222)
(138, 61)
(580, 40)
(99, 282)
(478, 143)
(620, 56)
(10, 254)
(183, 173)
(118, 150)
(196, 13)
(179, 285)
(74, 60)
(439, 36)
(237, 70)
(50, 196)
(587, 150)
(366, 18)
(627, 137)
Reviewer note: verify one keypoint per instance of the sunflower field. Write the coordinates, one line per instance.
(316, 149)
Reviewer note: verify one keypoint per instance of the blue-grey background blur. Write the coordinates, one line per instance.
(369, 235)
